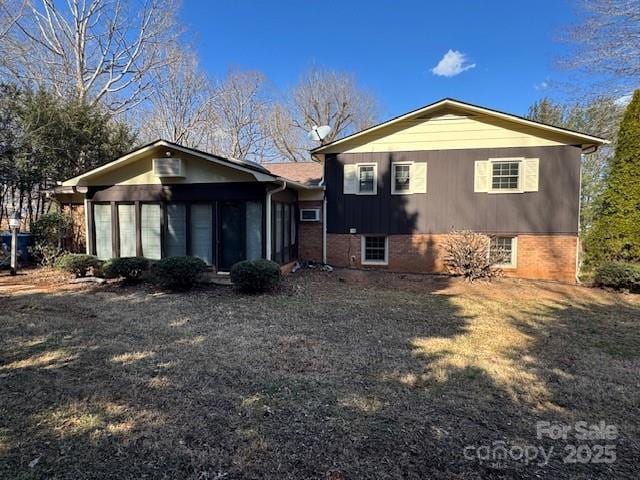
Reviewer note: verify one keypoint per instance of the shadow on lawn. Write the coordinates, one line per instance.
(373, 382)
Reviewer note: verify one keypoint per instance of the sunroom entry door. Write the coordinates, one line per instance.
(232, 234)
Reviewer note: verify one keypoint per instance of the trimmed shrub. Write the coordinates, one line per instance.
(177, 273)
(131, 268)
(78, 263)
(253, 276)
(619, 275)
(468, 254)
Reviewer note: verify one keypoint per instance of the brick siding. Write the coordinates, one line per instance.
(545, 257)
(310, 235)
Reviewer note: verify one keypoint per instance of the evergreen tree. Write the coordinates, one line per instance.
(45, 139)
(616, 232)
(600, 117)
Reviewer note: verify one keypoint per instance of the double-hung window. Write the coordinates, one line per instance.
(505, 175)
(506, 249)
(367, 179)
(401, 178)
(374, 250)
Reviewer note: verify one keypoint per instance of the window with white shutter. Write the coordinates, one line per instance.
(506, 175)
(360, 179)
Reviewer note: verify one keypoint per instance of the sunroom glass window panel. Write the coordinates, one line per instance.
(366, 175)
(505, 175)
(375, 248)
(402, 178)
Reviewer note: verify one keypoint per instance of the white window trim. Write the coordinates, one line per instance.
(375, 178)
(363, 244)
(393, 178)
(520, 161)
(514, 253)
(315, 210)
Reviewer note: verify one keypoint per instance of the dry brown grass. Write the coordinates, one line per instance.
(343, 375)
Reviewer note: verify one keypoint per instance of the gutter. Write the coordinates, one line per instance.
(270, 193)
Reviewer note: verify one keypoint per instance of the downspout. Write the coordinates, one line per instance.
(324, 222)
(324, 214)
(268, 215)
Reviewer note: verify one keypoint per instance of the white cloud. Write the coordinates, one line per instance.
(542, 85)
(453, 63)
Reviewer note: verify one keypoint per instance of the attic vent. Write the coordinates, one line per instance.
(168, 167)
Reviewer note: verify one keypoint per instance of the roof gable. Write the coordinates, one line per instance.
(136, 168)
(451, 124)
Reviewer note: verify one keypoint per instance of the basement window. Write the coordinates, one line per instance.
(374, 250)
(506, 246)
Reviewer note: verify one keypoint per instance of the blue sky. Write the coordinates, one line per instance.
(392, 46)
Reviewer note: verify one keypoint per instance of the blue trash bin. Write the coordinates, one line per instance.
(25, 240)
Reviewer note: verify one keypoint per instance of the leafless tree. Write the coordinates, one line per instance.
(321, 97)
(239, 116)
(181, 105)
(10, 13)
(101, 51)
(608, 41)
(287, 141)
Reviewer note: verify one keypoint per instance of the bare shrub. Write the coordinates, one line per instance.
(468, 255)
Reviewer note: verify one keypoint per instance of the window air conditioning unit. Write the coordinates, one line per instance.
(309, 214)
(168, 167)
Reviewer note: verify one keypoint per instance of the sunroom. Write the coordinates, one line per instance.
(166, 200)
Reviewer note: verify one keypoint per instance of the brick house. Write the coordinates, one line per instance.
(382, 198)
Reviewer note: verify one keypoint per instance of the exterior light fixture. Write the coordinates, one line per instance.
(14, 224)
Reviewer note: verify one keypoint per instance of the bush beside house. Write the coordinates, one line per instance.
(177, 273)
(256, 276)
(129, 268)
(619, 275)
(467, 254)
(78, 264)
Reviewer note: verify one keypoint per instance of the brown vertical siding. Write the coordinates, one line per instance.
(450, 202)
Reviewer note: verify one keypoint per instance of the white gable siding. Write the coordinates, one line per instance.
(448, 131)
(196, 170)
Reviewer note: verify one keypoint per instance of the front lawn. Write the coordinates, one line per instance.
(340, 375)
